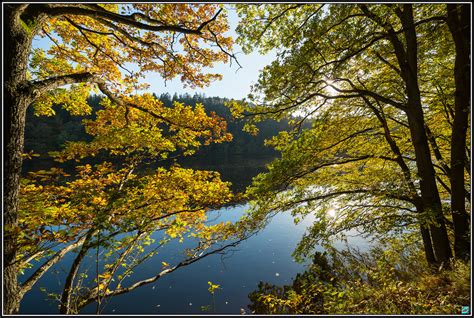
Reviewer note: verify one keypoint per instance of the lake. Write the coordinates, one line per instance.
(264, 257)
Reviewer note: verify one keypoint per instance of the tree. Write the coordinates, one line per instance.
(92, 47)
(363, 74)
(102, 203)
(458, 22)
(114, 212)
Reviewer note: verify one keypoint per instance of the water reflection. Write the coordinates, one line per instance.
(264, 257)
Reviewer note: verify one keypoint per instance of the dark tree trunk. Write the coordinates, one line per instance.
(429, 190)
(427, 245)
(459, 25)
(424, 230)
(17, 46)
(407, 60)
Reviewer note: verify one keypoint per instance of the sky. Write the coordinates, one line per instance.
(235, 82)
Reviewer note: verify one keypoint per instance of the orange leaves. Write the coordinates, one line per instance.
(115, 46)
(118, 47)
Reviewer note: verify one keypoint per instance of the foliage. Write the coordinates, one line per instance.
(358, 165)
(122, 131)
(237, 160)
(212, 287)
(385, 280)
(45, 134)
(82, 41)
(116, 207)
(122, 208)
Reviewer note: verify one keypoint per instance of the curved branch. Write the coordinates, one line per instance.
(92, 296)
(67, 291)
(28, 284)
(365, 92)
(81, 29)
(124, 19)
(355, 191)
(37, 88)
(101, 84)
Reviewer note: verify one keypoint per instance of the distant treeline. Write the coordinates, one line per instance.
(44, 134)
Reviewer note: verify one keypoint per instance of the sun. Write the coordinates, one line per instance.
(331, 213)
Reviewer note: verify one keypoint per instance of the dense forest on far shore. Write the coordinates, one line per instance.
(238, 161)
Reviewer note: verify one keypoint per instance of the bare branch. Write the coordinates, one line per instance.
(28, 284)
(365, 92)
(231, 55)
(37, 88)
(65, 305)
(92, 296)
(329, 195)
(131, 20)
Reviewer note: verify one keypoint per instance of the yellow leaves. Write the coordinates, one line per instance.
(104, 49)
(236, 108)
(105, 275)
(212, 287)
(145, 125)
(29, 155)
(73, 100)
(103, 287)
(172, 232)
(251, 129)
(43, 106)
(164, 264)
(99, 201)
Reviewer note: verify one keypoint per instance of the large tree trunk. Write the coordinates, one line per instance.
(459, 25)
(424, 230)
(429, 190)
(17, 46)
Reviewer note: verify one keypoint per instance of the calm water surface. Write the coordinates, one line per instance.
(264, 257)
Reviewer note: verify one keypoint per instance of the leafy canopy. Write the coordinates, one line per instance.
(336, 68)
(110, 208)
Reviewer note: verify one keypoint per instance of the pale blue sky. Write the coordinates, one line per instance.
(235, 82)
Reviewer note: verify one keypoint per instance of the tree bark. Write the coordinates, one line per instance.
(429, 191)
(427, 245)
(424, 230)
(459, 25)
(17, 39)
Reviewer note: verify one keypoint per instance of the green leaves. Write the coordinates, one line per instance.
(282, 25)
(391, 278)
(336, 71)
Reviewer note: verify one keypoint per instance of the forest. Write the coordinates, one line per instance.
(339, 184)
